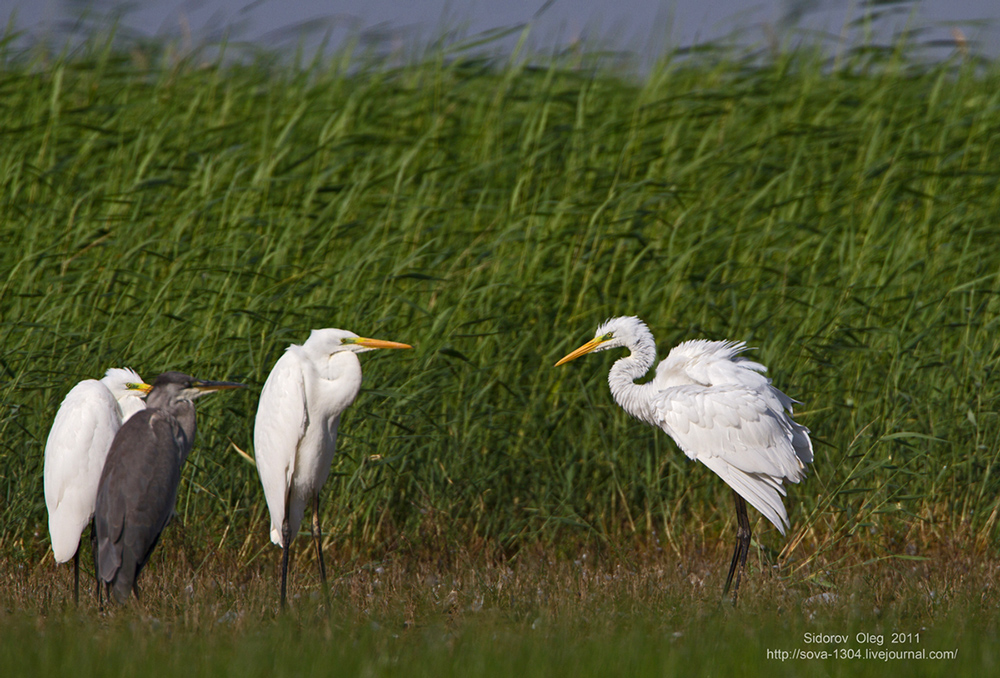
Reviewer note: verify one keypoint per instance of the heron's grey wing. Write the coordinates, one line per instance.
(152, 493)
(138, 491)
(111, 508)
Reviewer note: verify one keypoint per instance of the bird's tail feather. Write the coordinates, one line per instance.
(761, 491)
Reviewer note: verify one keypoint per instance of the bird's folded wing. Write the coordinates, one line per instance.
(77, 445)
(137, 491)
(79, 439)
(738, 425)
(761, 491)
(151, 497)
(281, 423)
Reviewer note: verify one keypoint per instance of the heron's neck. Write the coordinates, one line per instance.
(628, 394)
(183, 411)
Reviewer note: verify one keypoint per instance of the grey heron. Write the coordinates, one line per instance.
(138, 486)
(78, 443)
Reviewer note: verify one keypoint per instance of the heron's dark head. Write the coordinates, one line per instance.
(171, 387)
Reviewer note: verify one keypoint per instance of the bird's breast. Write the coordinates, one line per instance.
(334, 386)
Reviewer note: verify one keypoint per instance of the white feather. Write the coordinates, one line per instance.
(78, 443)
(295, 432)
(718, 407)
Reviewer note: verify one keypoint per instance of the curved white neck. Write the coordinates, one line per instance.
(334, 381)
(625, 371)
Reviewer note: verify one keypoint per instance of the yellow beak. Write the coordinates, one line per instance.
(583, 350)
(378, 343)
(141, 386)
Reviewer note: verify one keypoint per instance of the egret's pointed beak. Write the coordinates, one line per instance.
(376, 343)
(583, 350)
(212, 386)
(141, 386)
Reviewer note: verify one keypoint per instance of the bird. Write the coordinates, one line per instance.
(720, 409)
(295, 431)
(78, 443)
(138, 486)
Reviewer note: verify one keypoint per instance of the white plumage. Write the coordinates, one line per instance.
(295, 432)
(78, 443)
(722, 411)
(718, 407)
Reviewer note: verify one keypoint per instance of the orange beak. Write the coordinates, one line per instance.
(583, 350)
(378, 343)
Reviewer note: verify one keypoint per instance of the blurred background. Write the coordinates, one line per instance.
(638, 31)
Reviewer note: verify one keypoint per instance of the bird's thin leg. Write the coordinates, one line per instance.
(93, 554)
(76, 577)
(286, 546)
(742, 546)
(318, 539)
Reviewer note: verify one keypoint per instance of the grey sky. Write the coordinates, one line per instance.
(642, 27)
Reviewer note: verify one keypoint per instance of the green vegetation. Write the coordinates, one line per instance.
(531, 617)
(843, 218)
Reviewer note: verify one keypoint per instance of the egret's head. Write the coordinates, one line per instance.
(329, 341)
(173, 386)
(620, 331)
(122, 381)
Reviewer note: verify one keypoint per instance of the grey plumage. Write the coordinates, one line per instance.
(138, 487)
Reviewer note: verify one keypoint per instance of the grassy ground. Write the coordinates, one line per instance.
(633, 613)
(167, 213)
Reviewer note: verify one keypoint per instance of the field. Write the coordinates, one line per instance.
(489, 513)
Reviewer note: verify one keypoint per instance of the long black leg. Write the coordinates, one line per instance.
(76, 576)
(286, 546)
(93, 554)
(318, 539)
(742, 546)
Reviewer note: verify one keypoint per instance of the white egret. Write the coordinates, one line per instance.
(720, 410)
(78, 443)
(295, 433)
(138, 487)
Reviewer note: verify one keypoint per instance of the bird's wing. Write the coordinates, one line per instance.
(75, 451)
(760, 490)
(719, 364)
(741, 434)
(710, 363)
(282, 418)
(154, 491)
(137, 494)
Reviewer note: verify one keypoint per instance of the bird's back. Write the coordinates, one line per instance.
(136, 496)
(710, 363)
(77, 445)
(721, 410)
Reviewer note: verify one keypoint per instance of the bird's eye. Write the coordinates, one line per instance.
(608, 337)
(132, 386)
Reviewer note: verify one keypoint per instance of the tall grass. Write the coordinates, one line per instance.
(165, 213)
